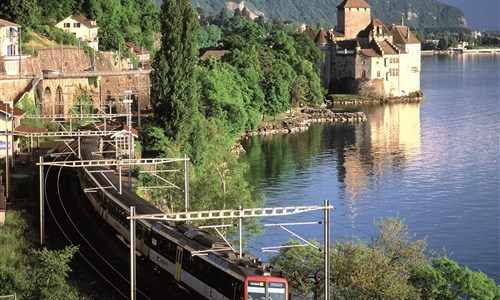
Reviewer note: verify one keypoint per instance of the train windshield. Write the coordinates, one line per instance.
(256, 290)
(276, 291)
(260, 290)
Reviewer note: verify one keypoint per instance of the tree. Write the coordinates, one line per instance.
(445, 279)
(276, 87)
(173, 94)
(24, 12)
(51, 270)
(303, 267)
(222, 98)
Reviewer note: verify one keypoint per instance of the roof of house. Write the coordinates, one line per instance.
(370, 52)
(217, 54)
(5, 23)
(4, 109)
(137, 49)
(84, 21)
(347, 44)
(374, 23)
(321, 37)
(403, 35)
(133, 131)
(354, 4)
(387, 48)
(29, 129)
(310, 32)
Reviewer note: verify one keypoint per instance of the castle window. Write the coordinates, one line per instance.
(378, 74)
(363, 74)
(394, 72)
(67, 25)
(76, 25)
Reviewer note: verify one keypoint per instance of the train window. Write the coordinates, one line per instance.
(138, 232)
(276, 290)
(256, 290)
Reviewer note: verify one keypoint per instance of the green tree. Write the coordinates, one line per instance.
(222, 98)
(174, 93)
(303, 266)
(276, 87)
(26, 13)
(247, 63)
(445, 279)
(49, 277)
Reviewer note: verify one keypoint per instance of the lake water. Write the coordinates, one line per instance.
(435, 164)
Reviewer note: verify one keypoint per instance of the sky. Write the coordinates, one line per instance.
(480, 14)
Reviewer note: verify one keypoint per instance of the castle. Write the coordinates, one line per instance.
(365, 57)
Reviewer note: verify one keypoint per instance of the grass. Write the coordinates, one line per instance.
(13, 242)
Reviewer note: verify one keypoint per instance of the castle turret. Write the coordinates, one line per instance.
(353, 16)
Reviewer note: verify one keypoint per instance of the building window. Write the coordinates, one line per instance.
(378, 74)
(394, 72)
(394, 60)
(76, 25)
(363, 74)
(67, 25)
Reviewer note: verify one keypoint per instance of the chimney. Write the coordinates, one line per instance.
(402, 21)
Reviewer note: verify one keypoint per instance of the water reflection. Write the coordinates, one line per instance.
(381, 146)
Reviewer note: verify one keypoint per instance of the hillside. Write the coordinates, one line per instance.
(418, 13)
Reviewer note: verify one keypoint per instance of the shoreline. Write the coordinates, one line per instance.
(461, 51)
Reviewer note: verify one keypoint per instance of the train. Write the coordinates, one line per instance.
(195, 258)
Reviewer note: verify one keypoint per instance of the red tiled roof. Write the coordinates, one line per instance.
(354, 4)
(403, 35)
(84, 21)
(5, 23)
(310, 32)
(321, 38)
(387, 48)
(29, 129)
(136, 48)
(5, 108)
(370, 53)
(132, 130)
(375, 23)
(217, 54)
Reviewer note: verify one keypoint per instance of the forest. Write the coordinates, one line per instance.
(417, 13)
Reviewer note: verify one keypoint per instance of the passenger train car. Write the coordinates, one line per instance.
(194, 257)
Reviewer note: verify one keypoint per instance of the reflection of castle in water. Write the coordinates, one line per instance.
(389, 138)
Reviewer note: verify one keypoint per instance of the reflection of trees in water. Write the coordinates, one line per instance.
(269, 157)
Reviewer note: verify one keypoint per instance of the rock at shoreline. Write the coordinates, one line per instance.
(304, 118)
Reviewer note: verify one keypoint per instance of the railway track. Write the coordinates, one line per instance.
(102, 262)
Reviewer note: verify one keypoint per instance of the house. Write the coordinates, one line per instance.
(10, 118)
(10, 52)
(363, 56)
(84, 29)
(141, 52)
(216, 54)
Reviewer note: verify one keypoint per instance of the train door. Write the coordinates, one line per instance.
(178, 263)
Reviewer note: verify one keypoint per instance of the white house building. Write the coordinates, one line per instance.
(10, 51)
(84, 29)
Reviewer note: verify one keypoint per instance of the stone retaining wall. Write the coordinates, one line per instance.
(305, 118)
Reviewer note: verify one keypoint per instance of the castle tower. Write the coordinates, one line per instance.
(353, 16)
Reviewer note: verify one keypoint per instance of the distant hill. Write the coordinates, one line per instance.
(417, 13)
